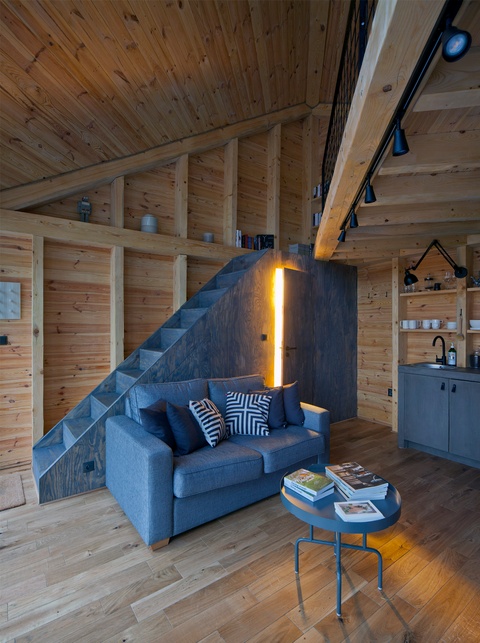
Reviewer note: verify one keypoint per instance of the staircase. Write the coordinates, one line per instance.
(70, 458)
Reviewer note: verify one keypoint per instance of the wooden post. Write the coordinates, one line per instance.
(307, 187)
(398, 343)
(179, 281)
(273, 184)
(230, 192)
(181, 197)
(37, 338)
(464, 258)
(117, 297)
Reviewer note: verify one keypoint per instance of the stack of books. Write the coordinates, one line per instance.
(360, 511)
(313, 486)
(356, 483)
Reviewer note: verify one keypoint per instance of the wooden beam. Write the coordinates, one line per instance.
(37, 338)
(308, 157)
(400, 30)
(179, 281)
(443, 211)
(317, 36)
(230, 192)
(395, 245)
(117, 202)
(13, 221)
(436, 153)
(273, 182)
(414, 229)
(117, 307)
(181, 197)
(63, 185)
(452, 86)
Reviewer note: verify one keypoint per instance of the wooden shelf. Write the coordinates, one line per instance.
(473, 331)
(446, 331)
(430, 293)
(473, 289)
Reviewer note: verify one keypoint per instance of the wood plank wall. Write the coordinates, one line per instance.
(16, 357)
(77, 286)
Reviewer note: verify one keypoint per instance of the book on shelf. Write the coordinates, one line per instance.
(358, 511)
(313, 486)
(355, 482)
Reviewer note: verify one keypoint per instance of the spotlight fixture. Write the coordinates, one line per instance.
(400, 145)
(342, 235)
(455, 43)
(460, 271)
(353, 219)
(369, 192)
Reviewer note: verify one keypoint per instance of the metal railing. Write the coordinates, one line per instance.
(356, 36)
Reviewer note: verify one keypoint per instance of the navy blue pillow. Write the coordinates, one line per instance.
(186, 430)
(154, 420)
(276, 412)
(291, 401)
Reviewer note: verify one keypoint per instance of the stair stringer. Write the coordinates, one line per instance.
(186, 358)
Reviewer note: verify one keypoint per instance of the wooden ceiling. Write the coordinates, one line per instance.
(86, 82)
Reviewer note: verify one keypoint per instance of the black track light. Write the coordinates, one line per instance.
(369, 193)
(400, 145)
(353, 220)
(342, 235)
(455, 43)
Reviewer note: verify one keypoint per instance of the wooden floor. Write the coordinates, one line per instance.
(76, 570)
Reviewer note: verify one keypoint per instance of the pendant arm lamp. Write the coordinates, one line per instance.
(460, 271)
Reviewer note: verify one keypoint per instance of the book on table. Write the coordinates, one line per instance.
(358, 511)
(355, 482)
(308, 484)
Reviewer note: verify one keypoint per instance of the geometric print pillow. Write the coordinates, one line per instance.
(210, 420)
(247, 414)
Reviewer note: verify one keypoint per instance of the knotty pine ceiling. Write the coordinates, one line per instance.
(83, 82)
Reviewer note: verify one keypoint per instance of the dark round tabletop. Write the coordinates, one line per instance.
(322, 512)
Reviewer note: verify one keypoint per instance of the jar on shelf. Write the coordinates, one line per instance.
(429, 281)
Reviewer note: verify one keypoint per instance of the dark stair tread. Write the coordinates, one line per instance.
(189, 316)
(133, 373)
(44, 457)
(107, 399)
(229, 278)
(77, 426)
(209, 297)
(149, 356)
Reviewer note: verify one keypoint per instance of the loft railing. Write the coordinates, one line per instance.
(356, 36)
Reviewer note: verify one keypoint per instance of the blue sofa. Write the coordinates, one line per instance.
(164, 494)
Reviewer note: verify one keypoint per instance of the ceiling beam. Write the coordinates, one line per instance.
(400, 31)
(64, 185)
(387, 215)
(443, 152)
(392, 246)
(452, 86)
(415, 229)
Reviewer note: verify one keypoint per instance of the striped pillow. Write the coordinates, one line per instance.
(210, 420)
(247, 414)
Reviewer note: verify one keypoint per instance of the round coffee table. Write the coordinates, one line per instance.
(322, 514)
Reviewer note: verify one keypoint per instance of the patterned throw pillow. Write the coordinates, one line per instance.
(210, 420)
(247, 414)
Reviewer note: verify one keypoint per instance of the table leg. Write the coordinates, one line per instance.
(338, 549)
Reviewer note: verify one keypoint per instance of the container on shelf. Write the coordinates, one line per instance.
(149, 223)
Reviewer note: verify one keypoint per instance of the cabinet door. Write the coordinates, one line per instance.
(465, 418)
(426, 411)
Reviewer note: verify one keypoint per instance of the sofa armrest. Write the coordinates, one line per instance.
(318, 419)
(139, 474)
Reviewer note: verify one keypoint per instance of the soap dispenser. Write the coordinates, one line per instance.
(452, 356)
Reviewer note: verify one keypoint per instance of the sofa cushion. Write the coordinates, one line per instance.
(219, 387)
(180, 393)
(276, 412)
(154, 419)
(210, 420)
(282, 449)
(247, 413)
(207, 469)
(291, 401)
(187, 432)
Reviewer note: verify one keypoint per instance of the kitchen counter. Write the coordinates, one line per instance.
(452, 372)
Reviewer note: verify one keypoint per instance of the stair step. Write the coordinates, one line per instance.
(209, 297)
(148, 357)
(44, 457)
(188, 316)
(229, 278)
(73, 429)
(170, 335)
(125, 378)
(100, 402)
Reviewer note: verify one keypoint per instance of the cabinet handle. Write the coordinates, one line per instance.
(442, 388)
(454, 388)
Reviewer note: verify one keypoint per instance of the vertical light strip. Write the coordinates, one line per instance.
(279, 306)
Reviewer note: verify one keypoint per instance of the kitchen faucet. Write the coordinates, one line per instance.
(442, 359)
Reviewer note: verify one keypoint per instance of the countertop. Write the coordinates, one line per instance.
(452, 372)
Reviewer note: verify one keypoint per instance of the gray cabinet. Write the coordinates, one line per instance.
(439, 412)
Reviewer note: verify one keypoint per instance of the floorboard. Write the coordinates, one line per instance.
(76, 570)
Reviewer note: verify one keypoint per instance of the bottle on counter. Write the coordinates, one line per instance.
(452, 356)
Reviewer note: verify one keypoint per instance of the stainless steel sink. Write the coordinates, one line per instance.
(433, 365)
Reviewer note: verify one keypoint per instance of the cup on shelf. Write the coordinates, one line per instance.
(426, 323)
(404, 324)
(436, 324)
(413, 324)
(451, 325)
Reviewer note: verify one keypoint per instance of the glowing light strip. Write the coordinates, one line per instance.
(279, 306)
